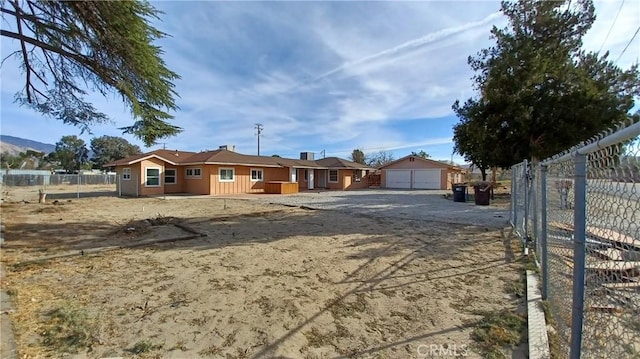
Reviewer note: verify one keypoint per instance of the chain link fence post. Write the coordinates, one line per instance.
(579, 253)
(514, 196)
(543, 232)
(525, 219)
(535, 204)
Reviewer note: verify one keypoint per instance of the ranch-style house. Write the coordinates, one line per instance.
(227, 172)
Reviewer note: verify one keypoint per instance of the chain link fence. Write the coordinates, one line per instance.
(581, 210)
(26, 187)
(520, 200)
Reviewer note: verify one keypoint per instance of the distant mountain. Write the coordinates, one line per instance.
(14, 145)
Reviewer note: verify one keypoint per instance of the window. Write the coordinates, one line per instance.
(126, 174)
(226, 175)
(333, 176)
(193, 173)
(357, 175)
(152, 177)
(306, 175)
(170, 176)
(256, 174)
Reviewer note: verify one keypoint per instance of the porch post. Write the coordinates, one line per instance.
(293, 174)
(310, 178)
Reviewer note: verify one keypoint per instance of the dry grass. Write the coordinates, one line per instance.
(68, 329)
(498, 331)
(265, 282)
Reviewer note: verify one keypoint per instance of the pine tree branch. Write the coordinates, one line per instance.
(25, 56)
(8, 56)
(81, 59)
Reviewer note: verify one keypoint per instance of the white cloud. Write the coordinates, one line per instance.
(409, 46)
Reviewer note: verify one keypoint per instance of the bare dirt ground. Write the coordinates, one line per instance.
(265, 281)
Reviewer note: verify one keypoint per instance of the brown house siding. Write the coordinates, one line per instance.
(364, 183)
(276, 174)
(180, 185)
(341, 180)
(196, 185)
(130, 187)
(242, 179)
(302, 182)
(208, 182)
(155, 163)
(346, 181)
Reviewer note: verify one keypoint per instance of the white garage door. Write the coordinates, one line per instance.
(426, 179)
(398, 179)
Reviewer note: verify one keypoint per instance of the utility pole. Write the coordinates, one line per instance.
(259, 129)
(323, 153)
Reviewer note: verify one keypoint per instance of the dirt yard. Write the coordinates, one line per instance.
(264, 281)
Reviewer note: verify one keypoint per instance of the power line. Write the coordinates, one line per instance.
(611, 28)
(259, 129)
(629, 43)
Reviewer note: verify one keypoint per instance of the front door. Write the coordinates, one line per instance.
(322, 178)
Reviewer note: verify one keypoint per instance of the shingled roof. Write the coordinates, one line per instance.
(225, 157)
(340, 163)
(173, 157)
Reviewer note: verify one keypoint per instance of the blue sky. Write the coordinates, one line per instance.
(329, 76)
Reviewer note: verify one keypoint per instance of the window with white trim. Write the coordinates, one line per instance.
(152, 177)
(126, 174)
(333, 176)
(170, 176)
(226, 175)
(194, 172)
(256, 175)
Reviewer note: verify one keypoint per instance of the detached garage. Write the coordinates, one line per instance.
(412, 172)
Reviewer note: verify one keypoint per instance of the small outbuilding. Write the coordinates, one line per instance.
(414, 172)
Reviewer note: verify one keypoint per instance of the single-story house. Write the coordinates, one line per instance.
(415, 172)
(228, 172)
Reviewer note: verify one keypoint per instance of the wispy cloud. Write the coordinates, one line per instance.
(410, 46)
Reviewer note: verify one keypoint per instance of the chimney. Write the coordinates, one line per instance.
(231, 148)
(306, 156)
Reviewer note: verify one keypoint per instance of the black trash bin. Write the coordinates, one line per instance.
(481, 195)
(459, 193)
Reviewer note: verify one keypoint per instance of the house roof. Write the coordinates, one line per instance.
(225, 157)
(434, 162)
(340, 163)
(172, 157)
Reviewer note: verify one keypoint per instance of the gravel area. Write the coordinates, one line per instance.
(428, 205)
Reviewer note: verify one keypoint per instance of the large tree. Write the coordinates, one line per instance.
(28, 159)
(357, 156)
(420, 153)
(69, 47)
(109, 148)
(472, 138)
(71, 152)
(539, 92)
(379, 159)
